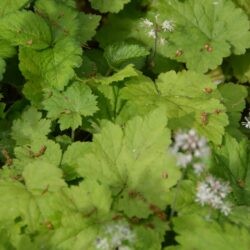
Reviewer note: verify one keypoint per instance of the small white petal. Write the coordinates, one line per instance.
(198, 168)
(147, 23)
(225, 209)
(168, 25)
(162, 41)
(246, 124)
(213, 192)
(152, 33)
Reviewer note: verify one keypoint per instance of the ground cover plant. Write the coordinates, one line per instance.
(124, 125)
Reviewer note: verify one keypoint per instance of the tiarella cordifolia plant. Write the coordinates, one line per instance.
(124, 124)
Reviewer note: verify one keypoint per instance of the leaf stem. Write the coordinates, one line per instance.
(154, 50)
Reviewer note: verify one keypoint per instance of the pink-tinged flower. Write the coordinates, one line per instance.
(213, 192)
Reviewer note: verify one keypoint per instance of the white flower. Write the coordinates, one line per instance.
(156, 18)
(213, 192)
(183, 159)
(124, 248)
(113, 237)
(218, 81)
(225, 209)
(198, 168)
(189, 147)
(246, 124)
(162, 41)
(190, 142)
(168, 25)
(203, 195)
(147, 23)
(102, 243)
(152, 33)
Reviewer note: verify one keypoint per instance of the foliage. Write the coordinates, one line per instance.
(124, 124)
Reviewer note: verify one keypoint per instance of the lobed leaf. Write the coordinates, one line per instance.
(127, 72)
(88, 26)
(234, 99)
(191, 101)
(27, 29)
(30, 127)
(9, 6)
(206, 32)
(119, 53)
(132, 162)
(62, 19)
(209, 234)
(109, 5)
(70, 106)
(50, 68)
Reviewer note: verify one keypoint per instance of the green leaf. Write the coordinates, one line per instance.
(231, 161)
(234, 99)
(120, 53)
(208, 234)
(109, 5)
(34, 205)
(241, 216)
(13, 198)
(70, 3)
(30, 127)
(204, 33)
(46, 151)
(8, 6)
(6, 50)
(181, 198)
(2, 108)
(27, 29)
(63, 19)
(70, 158)
(133, 162)
(70, 106)
(109, 102)
(2, 68)
(241, 66)
(52, 67)
(90, 196)
(150, 239)
(244, 4)
(201, 23)
(88, 26)
(5, 241)
(191, 101)
(42, 176)
(121, 27)
(122, 74)
(75, 233)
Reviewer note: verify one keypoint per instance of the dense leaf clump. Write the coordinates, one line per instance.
(124, 125)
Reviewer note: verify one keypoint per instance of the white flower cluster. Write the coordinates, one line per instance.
(213, 192)
(116, 236)
(246, 124)
(154, 28)
(189, 148)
